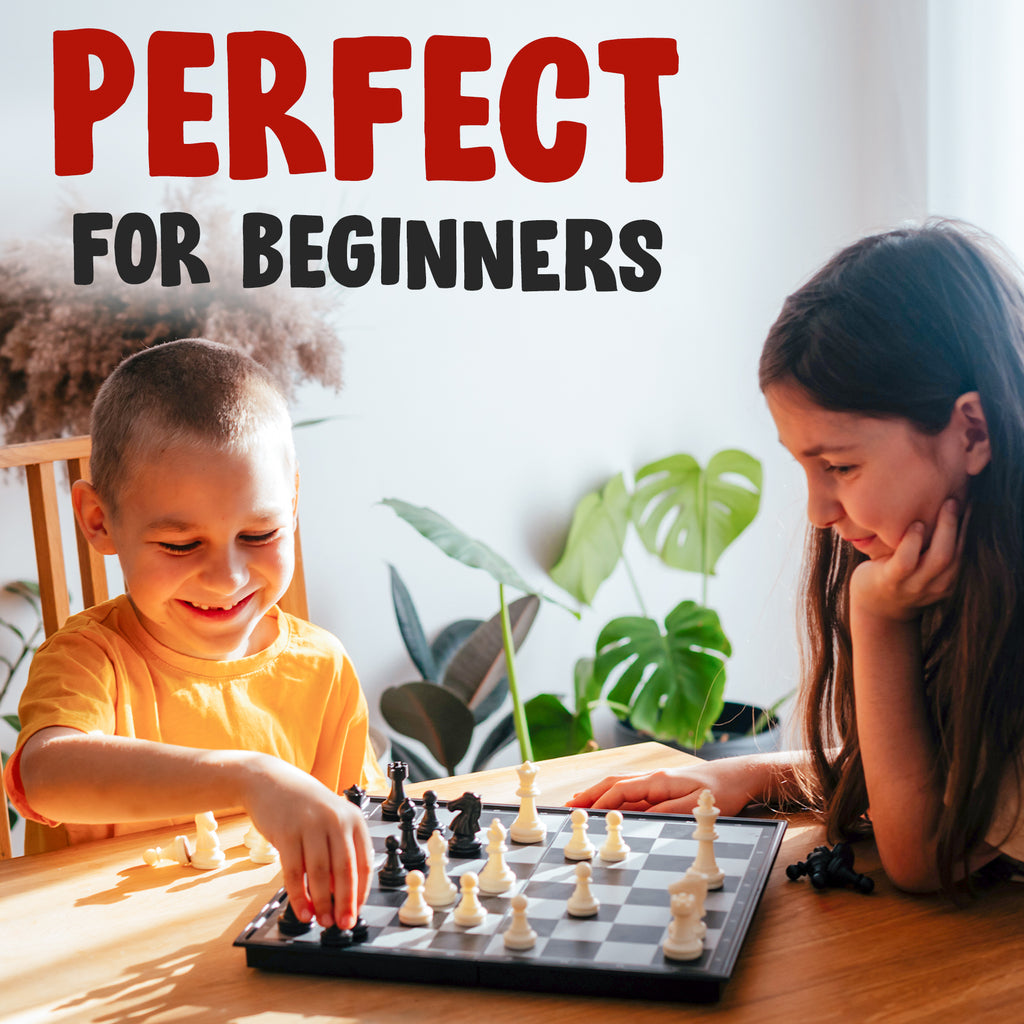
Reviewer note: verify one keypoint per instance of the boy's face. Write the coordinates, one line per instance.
(206, 543)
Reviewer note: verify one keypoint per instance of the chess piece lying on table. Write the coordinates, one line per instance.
(830, 869)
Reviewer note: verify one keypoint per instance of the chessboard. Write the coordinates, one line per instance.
(615, 953)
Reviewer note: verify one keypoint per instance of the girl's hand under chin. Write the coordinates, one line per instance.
(901, 585)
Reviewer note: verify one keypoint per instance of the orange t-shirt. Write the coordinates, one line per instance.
(299, 699)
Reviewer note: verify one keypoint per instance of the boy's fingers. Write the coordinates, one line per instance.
(318, 879)
(295, 880)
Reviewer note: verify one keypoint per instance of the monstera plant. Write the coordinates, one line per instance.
(665, 678)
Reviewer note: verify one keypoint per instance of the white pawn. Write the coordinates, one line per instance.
(180, 851)
(583, 903)
(208, 853)
(496, 875)
(470, 910)
(415, 910)
(529, 826)
(439, 891)
(260, 849)
(683, 940)
(614, 849)
(519, 934)
(696, 885)
(579, 846)
(706, 814)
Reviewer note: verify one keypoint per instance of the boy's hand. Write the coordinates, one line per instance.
(325, 848)
(899, 586)
(675, 790)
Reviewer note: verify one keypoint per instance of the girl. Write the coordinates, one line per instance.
(895, 378)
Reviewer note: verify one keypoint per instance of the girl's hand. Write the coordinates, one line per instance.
(899, 586)
(675, 790)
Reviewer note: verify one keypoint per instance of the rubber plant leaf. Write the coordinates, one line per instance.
(687, 515)
(671, 680)
(419, 767)
(594, 545)
(448, 641)
(497, 739)
(477, 673)
(463, 548)
(554, 730)
(409, 626)
(432, 715)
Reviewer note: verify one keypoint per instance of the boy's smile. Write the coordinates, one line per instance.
(205, 541)
(869, 478)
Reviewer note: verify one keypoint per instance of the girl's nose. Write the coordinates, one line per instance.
(823, 510)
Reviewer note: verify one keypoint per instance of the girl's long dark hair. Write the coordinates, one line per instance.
(901, 324)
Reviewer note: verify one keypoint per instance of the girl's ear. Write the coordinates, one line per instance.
(972, 428)
(93, 517)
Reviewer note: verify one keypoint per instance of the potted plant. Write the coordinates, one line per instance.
(543, 725)
(665, 679)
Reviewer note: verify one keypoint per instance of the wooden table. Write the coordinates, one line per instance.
(94, 934)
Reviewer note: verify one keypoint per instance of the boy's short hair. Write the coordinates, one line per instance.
(189, 392)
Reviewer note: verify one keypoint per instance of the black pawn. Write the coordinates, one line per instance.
(840, 870)
(289, 924)
(411, 855)
(428, 823)
(336, 937)
(392, 874)
(398, 772)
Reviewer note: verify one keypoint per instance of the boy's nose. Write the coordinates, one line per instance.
(225, 571)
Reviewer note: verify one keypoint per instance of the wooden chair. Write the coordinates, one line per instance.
(38, 459)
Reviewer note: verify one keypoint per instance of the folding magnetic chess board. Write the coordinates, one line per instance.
(617, 953)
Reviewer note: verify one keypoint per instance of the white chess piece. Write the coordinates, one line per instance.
(470, 910)
(683, 941)
(439, 891)
(496, 875)
(706, 814)
(614, 849)
(179, 851)
(695, 883)
(519, 934)
(208, 854)
(579, 846)
(583, 903)
(260, 849)
(529, 826)
(415, 910)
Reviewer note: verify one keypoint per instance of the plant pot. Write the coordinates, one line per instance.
(731, 732)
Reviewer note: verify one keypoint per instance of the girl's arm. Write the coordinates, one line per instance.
(326, 856)
(886, 599)
(734, 781)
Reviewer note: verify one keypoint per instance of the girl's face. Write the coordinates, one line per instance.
(869, 478)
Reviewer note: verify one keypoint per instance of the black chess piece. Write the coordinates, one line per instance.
(428, 823)
(392, 874)
(289, 924)
(830, 868)
(335, 936)
(398, 772)
(411, 855)
(357, 796)
(465, 826)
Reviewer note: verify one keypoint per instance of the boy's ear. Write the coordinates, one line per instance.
(972, 428)
(93, 517)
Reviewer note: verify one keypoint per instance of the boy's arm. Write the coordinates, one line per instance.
(72, 776)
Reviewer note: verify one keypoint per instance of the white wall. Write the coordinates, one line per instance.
(791, 128)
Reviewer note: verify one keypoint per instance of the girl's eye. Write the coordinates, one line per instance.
(179, 549)
(839, 470)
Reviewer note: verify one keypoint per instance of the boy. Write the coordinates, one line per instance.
(193, 690)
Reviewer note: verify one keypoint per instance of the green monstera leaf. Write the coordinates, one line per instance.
(594, 545)
(671, 680)
(688, 515)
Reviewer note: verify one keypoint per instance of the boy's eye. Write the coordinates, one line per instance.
(179, 549)
(259, 538)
